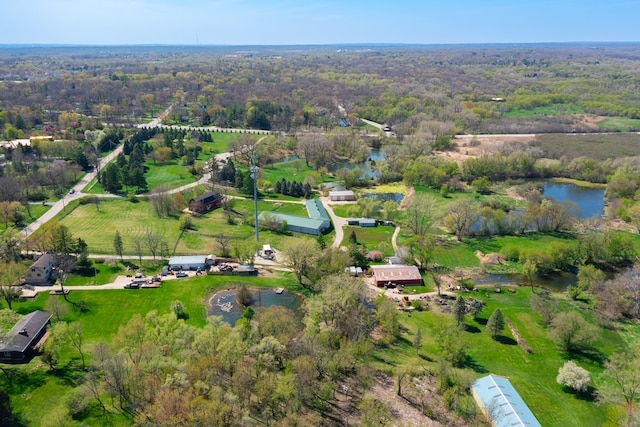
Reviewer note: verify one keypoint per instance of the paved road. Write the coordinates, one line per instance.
(338, 223)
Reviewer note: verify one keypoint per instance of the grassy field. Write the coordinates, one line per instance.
(619, 124)
(172, 174)
(98, 228)
(373, 238)
(533, 375)
(547, 110)
(598, 147)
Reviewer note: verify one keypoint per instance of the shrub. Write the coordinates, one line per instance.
(574, 377)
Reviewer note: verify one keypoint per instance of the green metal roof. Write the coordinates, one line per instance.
(316, 210)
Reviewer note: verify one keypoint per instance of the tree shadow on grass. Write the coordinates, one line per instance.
(469, 362)
(589, 395)
(70, 374)
(591, 355)
(19, 381)
(481, 321)
(472, 329)
(506, 340)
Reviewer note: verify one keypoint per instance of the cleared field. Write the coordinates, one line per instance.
(619, 124)
(597, 146)
(547, 110)
(98, 228)
(173, 175)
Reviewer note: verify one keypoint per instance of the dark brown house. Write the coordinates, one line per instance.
(205, 203)
(25, 338)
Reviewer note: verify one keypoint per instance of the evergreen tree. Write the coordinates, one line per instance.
(111, 180)
(459, 310)
(495, 324)
(117, 244)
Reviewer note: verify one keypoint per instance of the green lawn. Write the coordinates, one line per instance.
(620, 124)
(373, 238)
(172, 174)
(98, 228)
(548, 110)
(533, 375)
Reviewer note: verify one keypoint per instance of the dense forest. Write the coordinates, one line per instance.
(420, 90)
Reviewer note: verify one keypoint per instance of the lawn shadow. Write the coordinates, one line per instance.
(469, 362)
(70, 374)
(472, 329)
(592, 355)
(589, 395)
(19, 381)
(481, 321)
(506, 340)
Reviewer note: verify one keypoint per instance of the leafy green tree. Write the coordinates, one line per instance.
(571, 332)
(417, 340)
(374, 413)
(11, 274)
(529, 270)
(588, 277)
(495, 324)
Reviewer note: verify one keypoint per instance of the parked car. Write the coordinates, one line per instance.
(132, 286)
(182, 274)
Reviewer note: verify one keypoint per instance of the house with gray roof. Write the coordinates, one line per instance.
(25, 338)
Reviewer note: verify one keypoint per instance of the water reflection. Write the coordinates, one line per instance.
(590, 201)
(224, 303)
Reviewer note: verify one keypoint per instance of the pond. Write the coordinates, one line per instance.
(590, 201)
(554, 282)
(224, 303)
(385, 197)
(368, 169)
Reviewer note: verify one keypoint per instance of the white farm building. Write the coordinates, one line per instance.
(192, 262)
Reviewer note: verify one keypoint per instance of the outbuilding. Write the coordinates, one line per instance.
(192, 262)
(342, 196)
(501, 403)
(318, 221)
(25, 338)
(396, 275)
(206, 202)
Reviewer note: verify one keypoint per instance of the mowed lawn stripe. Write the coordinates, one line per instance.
(98, 228)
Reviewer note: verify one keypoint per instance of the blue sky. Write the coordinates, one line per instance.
(263, 22)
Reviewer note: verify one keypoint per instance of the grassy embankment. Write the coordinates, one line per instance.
(533, 375)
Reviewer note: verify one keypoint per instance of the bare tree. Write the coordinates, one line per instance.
(462, 215)
(420, 214)
(224, 243)
(152, 240)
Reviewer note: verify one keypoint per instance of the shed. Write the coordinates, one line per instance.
(190, 262)
(342, 196)
(40, 271)
(396, 274)
(25, 338)
(501, 403)
(206, 202)
(368, 222)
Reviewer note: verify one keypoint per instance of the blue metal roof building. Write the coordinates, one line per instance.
(501, 402)
(317, 223)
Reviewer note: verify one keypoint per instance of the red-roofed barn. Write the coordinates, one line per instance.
(396, 274)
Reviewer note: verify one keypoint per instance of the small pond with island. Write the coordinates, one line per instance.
(224, 303)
